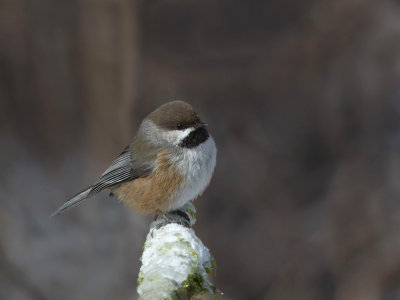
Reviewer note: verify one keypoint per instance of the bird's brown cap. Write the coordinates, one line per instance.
(174, 113)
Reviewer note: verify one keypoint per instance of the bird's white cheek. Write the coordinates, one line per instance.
(162, 137)
(175, 137)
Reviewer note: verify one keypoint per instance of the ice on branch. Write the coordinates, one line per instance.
(175, 263)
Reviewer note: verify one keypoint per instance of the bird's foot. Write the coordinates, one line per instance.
(176, 216)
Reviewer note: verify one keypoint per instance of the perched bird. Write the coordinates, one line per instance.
(169, 163)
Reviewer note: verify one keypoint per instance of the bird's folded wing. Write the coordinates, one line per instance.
(119, 171)
(124, 168)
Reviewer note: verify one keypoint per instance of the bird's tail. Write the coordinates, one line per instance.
(74, 200)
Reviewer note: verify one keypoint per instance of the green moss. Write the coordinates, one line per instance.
(192, 286)
(145, 245)
(178, 235)
(166, 247)
(140, 280)
(213, 264)
(182, 244)
(192, 214)
(210, 266)
(188, 247)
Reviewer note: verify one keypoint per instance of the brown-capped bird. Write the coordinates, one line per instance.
(169, 162)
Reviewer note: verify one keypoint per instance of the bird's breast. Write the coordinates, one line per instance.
(196, 165)
(178, 177)
(156, 192)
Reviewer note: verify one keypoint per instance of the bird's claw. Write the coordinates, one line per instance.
(177, 216)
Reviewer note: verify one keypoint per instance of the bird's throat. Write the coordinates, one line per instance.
(195, 138)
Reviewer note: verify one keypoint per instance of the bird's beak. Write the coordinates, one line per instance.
(201, 124)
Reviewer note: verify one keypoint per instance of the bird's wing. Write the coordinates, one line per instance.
(119, 171)
(120, 161)
(124, 168)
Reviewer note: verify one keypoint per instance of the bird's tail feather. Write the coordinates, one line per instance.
(73, 201)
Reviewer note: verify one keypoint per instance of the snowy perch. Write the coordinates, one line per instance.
(175, 263)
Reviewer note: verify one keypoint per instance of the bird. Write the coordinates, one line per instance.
(169, 162)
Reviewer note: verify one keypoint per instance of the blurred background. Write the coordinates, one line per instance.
(302, 98)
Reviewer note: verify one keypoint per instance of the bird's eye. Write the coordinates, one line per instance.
(180, 126)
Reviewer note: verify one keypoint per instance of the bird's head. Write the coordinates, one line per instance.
(174, 124)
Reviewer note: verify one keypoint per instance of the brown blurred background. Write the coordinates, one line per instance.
(302, 98)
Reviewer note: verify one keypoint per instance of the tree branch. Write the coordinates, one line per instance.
(175, 263)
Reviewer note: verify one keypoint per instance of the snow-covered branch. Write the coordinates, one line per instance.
(175, 263)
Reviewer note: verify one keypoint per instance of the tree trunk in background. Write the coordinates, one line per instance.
(108, 56)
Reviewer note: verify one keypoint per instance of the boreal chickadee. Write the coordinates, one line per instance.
(169, 162)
